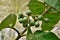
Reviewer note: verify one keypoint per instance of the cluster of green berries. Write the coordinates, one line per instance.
(25, 19)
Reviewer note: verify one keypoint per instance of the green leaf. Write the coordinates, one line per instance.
(38, 31)
(36, 7)
(54, 3)
(9, 21)
(52, 10)
(41, 35)
(53, 19)
(45, 36)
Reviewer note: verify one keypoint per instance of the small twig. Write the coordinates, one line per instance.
(24, 35)
(46, 10)
(24, 31)
(19, 35)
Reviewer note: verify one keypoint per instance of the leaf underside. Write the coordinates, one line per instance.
(54, 3)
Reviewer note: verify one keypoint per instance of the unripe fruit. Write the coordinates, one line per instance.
(21, 15)
(36, 24)
(21, 20)
(40, 17)
(25, 25)
(31, 23)
(28, 12)
(25, 19)
(46, 19)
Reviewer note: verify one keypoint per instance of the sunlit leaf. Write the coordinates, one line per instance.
(53, 19)
(9, 21)
(36, 7)
(41, 35)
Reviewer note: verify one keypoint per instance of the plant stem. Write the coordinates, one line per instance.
(23, 35)
(46, 10)
(24, 31)
(19, 35)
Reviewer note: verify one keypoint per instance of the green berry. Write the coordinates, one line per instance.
(46, 19)
(28, 12)
(21, 20)
(36, 24)
(25, 19)
(40, 17)
(21, 15)
(25, 25)
(31, 23)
